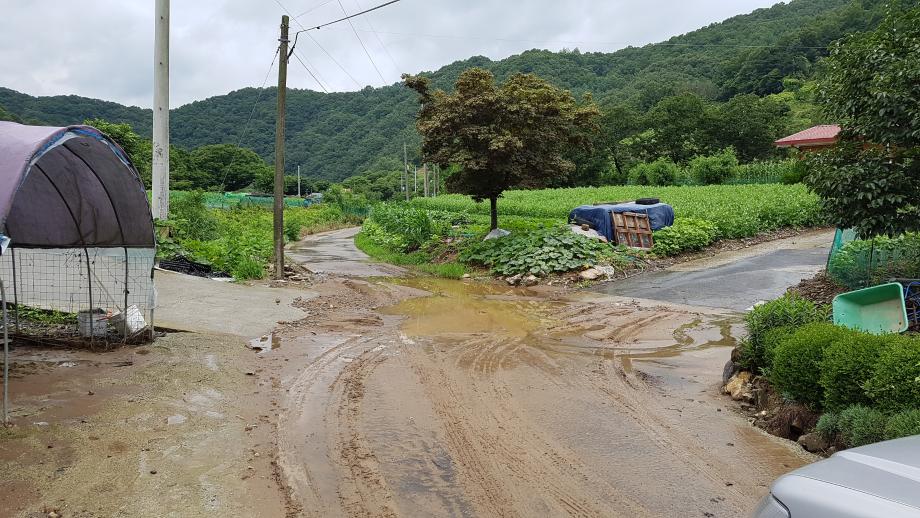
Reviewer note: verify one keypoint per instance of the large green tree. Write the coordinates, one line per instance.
(227, 167)
(871, 180)
(516, 134)
(138, 149)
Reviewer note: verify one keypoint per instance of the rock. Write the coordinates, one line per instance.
(736, 385)
(514, 280)
(591, 274)
(530, 280)
(466, 276)
(731, 368)
(495, 234)
(813, 442)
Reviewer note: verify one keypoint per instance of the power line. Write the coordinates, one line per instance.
(251, 113)
(310, 10)
(380, 41)
(309, 71)
(349, 16)
(363, 46)
(304, 29)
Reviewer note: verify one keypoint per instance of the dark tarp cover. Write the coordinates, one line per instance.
(660, 215)
(69, 188)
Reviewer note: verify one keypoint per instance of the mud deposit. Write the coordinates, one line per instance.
(474, 400)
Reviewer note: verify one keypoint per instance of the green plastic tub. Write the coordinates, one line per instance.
(877, 310)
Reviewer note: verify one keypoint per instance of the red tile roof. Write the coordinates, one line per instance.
(823, 134)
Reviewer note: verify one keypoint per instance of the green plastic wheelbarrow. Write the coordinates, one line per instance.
(877, 309)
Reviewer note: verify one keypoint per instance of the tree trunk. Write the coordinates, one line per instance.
(493, 202)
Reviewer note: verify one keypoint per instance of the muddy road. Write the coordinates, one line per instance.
(423, 397)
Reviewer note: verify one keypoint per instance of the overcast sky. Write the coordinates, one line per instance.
(104, 48)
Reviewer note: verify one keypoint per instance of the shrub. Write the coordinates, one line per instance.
(828, 425)
(846, 366)
(788, 310)
(192, 218)
(903, 424)
(795, 173)
(895, 381)
(714, 169)
(399, 226)
(859, 425)
(771, 339)
(796, 362)
(772, 171)
(686, 234)
(660, 172)
(537, 252)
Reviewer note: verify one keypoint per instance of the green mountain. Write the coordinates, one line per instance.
(337, 135)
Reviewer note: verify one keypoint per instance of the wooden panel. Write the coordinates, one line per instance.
(633, 230)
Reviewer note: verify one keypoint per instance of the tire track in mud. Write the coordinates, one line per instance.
(517, 470)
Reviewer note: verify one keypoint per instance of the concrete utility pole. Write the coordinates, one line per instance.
(279, 151)
(415, 173)
(425, 177)
(406, 170)
(298, 182)
(161, 111)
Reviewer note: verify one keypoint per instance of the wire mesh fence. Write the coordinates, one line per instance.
(104, 294)
(858, 263)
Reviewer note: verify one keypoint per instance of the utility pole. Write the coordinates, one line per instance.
(415, 172)
(298, 182)
(279, 151)
(425, 176)
(161, 111)
(406, 170)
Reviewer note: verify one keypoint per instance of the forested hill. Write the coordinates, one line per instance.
(337, 135)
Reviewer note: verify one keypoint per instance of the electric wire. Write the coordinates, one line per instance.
(251, 113)
(363, 46)
(380, 41)
(308, 70)
(348, 17)
(310, 10)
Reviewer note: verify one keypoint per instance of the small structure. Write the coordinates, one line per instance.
(812, 139)
(80, 232)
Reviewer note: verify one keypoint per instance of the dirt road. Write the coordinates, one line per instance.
(393, 396)
(467, 399)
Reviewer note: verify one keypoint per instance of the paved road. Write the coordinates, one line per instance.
(733, 281)
(335, 253)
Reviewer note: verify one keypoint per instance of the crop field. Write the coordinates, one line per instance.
(736, 210)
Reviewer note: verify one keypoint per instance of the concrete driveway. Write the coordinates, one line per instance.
(335, 253)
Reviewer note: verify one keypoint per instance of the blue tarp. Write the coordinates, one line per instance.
(660, 215)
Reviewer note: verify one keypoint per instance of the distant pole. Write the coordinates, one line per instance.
(161, 111)
(406, 170)
(298, 182)
(279, 151)
(415, 172)
(425, 177)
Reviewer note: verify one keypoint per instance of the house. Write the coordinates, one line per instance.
(812, 139)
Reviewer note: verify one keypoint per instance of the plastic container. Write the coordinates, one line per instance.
(92, 323)
(134, 321)
(877, 309)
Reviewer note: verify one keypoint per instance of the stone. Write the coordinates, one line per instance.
(736, 385)
(530, 280)
(514, 280)
(466, 276)
(591, 274)
(495, 234)
(813, 442)
(731, 368)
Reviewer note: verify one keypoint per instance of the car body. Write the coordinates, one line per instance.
(878, 480)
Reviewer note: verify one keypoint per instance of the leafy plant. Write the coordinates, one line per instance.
(399, 226)
(895, 381)
(903, 424)
(796, 369)
(846, 365)
(714, 169)
(787, 311)
(660, 172)
(538, 252)
(686, 234)
(859, 425)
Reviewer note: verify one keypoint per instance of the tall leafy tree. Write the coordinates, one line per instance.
(871, 180)
(515, 134)
(138, 149)
(227, 167)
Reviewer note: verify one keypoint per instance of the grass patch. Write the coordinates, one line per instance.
(417, 259)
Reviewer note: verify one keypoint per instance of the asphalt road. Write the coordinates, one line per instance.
(735, 285)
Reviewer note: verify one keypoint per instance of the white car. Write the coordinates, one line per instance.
(879, 480)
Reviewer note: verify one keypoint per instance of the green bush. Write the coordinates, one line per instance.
(537, 252)
(771, 339)
(768, 171)
(859, 425)
(686, 234)
(191, 217)
(714, 169)
(828, 425)
(796, 173)
(399, 226)
(796, 368)
(659, 173)
(895, 381)
(903, 424)
(846, 366)
(788, 310)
